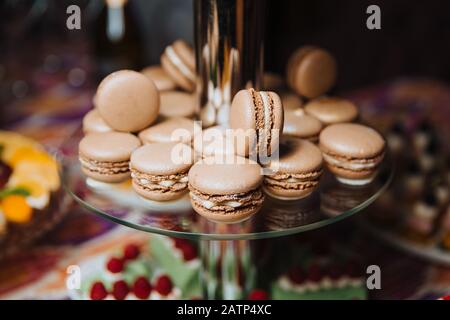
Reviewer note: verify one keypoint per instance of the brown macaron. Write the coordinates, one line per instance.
(170, 130)
(178, 104)
(352, 152)
(160, 170)
(331, 110)
(160, 78)
(297, 171)
(291, 100)
(260, 115)
(178, 60)
(105, 156)
(311, 71)
(94, 123)
(300, 125)
(128, 101)
(226, 192)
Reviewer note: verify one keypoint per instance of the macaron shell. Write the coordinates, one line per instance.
(316, 73)
(331, 110)
(278, 120)
(185, 52)
(108, 178)
(350, 174)
(288, 194)
(238, 215)
(180, 129)
(160, 78)
(127, 101)
(157, 195)
(94, 123)
(301, 125)
(298, 156)
(178, 104)
(162, 158)
(210, 177)
(214, 141)
(108, 146)
(294, 62)
(351, 140)
(242, 117)
(177, 76)
(291, 100)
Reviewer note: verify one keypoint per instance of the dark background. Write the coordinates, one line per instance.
(413, 42)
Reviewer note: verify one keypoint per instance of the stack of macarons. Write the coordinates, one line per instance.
(141, 128)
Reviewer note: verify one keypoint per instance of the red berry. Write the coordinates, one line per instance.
(142, 288)
(189, 251)
(296, 275)
(446, 297)
(314, 273)
(258, 294)
(120, 290)
(98, 291)
(163, 285)
(115, 265)
(131, 252)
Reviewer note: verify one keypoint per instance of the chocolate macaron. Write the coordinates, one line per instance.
(178, 104)
(352, 152)
(311, 71)
(260, 115)
(297, 171)
(178, 60)
(128, 101)
(94, 123)
(105, 156)
(160, 78)
(160, 170)
(300, 125)
(226, 192)
(331, 110)
(170, 130)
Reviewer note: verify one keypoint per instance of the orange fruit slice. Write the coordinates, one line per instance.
(16, 209)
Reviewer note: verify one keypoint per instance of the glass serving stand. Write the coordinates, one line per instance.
(227, 269)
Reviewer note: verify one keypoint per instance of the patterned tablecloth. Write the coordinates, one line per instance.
(40, 271)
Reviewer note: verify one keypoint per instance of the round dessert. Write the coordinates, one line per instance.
(300, 125)
(214, 141)
(272, 81)
(160, 170)
(311, 71)
(105, 156)
(297, 171)
(30, 193)
(171, 130)
(94, 123)
(352, 152)
(331, 110)
(260, 115)
(178, 104)
(128, 101)
(159, 77)
(178, 61)
(226, 192)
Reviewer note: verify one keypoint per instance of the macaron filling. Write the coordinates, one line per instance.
(227, 203)
(179, 64)
(353, 164)
(291, 181)
(104, 167)
(162, 183)
(264, 120)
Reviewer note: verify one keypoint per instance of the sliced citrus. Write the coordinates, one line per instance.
(16, 209)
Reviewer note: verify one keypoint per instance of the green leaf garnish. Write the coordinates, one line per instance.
(19, 191)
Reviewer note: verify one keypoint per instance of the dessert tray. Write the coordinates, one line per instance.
(332, 202)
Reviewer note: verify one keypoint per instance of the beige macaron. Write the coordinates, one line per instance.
(300, 125)
(160, 170)
(178, 60)
(178, 104)
(331, 110)
(94, 123)
(311, 71)
(170, 130)
(353, 152)
(296, 172)
(105, 156)
(215, 141)
(226, 192)
(160, 78)
(128, 101)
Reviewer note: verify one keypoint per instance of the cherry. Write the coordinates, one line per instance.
(98, 291)
(131, 252)
(142, 288)
(163, 285)
(120, 290)
(115, 265)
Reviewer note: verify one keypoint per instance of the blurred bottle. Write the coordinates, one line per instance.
(117, 42)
